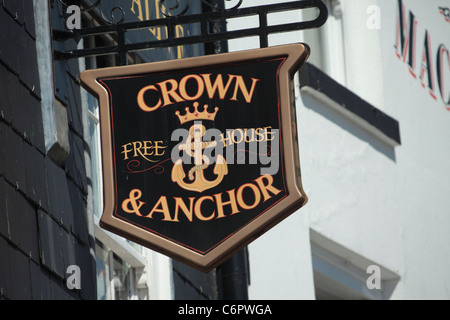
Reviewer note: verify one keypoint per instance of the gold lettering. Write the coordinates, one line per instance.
(148, 146)
(126, 150)
(137, 149)
(144, 149)
(200, 87)
(134, 202)
(240, 198)
(236, 136)
(269, 133)
(247, 197)
(141, 102)
(268, 187)
(140, 9)
(223, 139)
(261, 135)
(217, 86)
(240, 84)
(179, 204)
(167, 93)
(147, 10)
(158, 147)
(179, 31)
(241, 136)
(198, 208)
(247, 136)
(171, 91)
(155, 30)
(221, 204)
(164, 209)
(138, 3)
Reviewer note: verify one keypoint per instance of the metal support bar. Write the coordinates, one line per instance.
(204, 19)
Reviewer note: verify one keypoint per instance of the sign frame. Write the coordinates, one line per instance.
(296, 55)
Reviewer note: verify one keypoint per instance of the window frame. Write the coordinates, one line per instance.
(340, 273)
(327, 42)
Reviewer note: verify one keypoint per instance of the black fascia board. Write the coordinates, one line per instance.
(313, 77)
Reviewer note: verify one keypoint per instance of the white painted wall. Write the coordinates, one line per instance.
(388, 205)
(422, 168)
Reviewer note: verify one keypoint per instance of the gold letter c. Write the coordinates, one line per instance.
(141, 101)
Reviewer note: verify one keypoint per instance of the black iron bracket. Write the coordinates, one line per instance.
(208, 34)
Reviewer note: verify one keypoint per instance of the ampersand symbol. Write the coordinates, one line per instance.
(136, 205)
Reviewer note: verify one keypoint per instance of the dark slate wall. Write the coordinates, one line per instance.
(190, 284)
(43, 216)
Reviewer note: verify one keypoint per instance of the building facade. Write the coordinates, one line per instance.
(44, 190)
(372, 119)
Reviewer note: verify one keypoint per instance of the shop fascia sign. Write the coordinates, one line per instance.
(200, 155)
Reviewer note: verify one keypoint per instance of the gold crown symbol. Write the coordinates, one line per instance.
(205, 115)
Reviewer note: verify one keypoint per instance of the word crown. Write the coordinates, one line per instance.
(205, 115)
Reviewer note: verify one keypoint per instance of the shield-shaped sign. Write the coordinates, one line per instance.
(200, 155)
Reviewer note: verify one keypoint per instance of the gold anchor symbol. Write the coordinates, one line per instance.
(194, 147)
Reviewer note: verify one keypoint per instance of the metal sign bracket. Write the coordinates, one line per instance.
(213, 16)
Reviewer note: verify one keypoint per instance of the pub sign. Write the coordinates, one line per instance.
(200, 155)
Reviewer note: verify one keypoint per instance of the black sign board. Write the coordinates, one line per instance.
(200, 154)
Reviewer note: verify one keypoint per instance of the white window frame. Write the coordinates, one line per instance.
(327, 42)
(340, 273)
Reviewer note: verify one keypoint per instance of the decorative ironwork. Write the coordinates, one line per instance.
(89, 6)
(217, 8)
(176, 16)
(168, 8)
(68, 3)
(175, 8)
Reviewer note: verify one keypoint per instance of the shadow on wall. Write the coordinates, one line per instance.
(341, 106)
